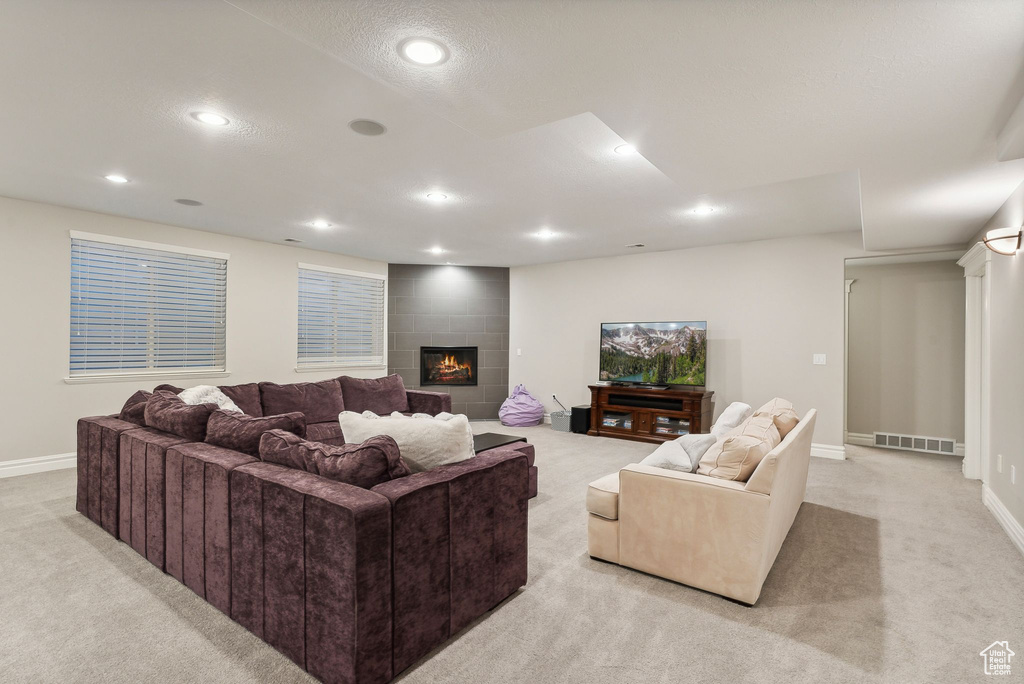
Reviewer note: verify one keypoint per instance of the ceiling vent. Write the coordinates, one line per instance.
(637, 245)
(189, 202)
(929, 445)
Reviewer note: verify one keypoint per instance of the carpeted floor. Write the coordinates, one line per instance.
(894, 572)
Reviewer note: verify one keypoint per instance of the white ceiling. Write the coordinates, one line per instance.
(791, 118)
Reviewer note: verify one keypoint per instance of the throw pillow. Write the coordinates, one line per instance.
(240, 432)
(365, 465)
(681, 454)
(134, 410)
(380, 395)
(165, 411)
(736, 456)
(733, 416)
(782, 413)
(425, 442)
(208, 394)
(320, 401)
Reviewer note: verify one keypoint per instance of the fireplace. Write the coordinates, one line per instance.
(447, 366)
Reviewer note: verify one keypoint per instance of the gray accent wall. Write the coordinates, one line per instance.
(451, 306)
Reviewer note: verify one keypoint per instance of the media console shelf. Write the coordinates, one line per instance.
(648, 415)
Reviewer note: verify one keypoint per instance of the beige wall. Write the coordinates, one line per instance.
(1006, 340)
(37, 409)
(906, 349)
(770, 306)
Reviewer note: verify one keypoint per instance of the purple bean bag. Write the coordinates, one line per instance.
(521, 409)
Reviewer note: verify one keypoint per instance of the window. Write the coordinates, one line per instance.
(341, 318)
(143, 309)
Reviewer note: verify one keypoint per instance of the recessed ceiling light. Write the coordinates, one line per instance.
(625, 148)
(703, 210)
(320, 223)
(436, 196)
(210, 118)
(545, 233)
(114, 178)
(189, 202)
(423, 51)
(436, 250)
(367, 127)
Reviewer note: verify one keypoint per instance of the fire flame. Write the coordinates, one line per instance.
(450, 365)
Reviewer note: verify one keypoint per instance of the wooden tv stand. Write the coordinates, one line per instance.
(644, 414)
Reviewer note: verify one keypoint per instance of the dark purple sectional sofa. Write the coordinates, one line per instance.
(352, 584)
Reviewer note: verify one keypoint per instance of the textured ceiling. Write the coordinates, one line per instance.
(791, 118)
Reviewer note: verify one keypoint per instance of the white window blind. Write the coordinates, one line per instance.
(341, 318)
(137, 309)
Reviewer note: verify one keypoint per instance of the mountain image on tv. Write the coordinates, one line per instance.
(660, 353)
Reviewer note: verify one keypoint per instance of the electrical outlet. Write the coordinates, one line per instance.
(1013, 474)
(819, 359)
(999, 463)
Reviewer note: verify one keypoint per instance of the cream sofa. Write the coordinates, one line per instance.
(718, 535)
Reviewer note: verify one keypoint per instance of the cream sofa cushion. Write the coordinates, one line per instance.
(736, 456)
(603, 497)
(782, 413)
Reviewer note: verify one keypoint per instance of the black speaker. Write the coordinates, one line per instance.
(580, 420)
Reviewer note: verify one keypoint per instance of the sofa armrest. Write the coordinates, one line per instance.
(429, 402)
(460, 544)
(99, 489)
(311, 570)
(698, 530)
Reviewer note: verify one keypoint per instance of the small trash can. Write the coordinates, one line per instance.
(560, 420)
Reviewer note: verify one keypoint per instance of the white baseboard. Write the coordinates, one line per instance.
(1003, 517)
(39, 464)
(835, 452)
(862, 439)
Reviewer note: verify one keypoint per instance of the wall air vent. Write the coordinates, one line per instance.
(930, 445)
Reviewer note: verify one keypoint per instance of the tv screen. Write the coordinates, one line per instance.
(672, 353)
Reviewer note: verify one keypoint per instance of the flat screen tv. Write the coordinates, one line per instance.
(668, 353)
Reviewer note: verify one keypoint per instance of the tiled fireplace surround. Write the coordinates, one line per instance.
(451, 306)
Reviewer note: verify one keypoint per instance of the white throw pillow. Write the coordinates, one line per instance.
(208, 394)
(681, 454)
(424, 442)
(734, 414)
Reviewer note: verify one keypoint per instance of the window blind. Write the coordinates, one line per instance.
(138, 310)
(341, 318)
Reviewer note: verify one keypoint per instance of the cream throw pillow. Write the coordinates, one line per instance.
(681, 454)
(736, 456)
(782, 413)
(424, 442)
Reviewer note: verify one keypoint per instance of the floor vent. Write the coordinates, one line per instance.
(931, 445)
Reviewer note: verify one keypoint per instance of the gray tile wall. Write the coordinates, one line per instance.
(451, 306)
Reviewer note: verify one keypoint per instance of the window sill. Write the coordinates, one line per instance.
(91, 379)
(320, 369)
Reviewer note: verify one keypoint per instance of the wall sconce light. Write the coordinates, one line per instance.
(1003, 240)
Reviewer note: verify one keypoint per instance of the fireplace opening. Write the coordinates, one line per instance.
(448, 365)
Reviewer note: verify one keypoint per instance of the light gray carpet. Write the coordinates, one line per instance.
(894, 571)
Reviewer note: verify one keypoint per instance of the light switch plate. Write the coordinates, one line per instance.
(1013, 474)
(819, 359)
(999, 463)
(519, 352)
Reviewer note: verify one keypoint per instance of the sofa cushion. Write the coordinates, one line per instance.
(782, 413)
(240, 432)
(246, 397)
(364, 465)
(731, 418)
(165, 411)
(379, 395)
(603, 497)
(134, 410)
(736, 456)
(682, 454)
(426, 442)
(320, 401)
(327, 433)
